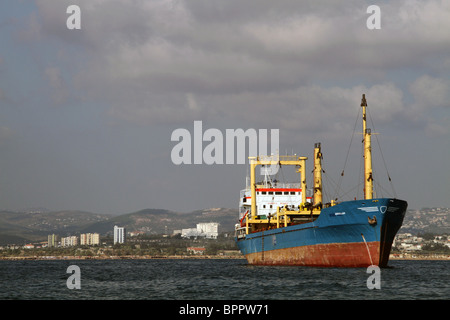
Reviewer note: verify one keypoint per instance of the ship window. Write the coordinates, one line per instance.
(270, 206)
(264, 192)
(270, 192)
(292, 192)
(278, 192)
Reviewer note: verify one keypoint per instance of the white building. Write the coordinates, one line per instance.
(209, 230)
(119, 234)
(69, 241)
(191, 232)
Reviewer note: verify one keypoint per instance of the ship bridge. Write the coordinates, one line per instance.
(272, 195)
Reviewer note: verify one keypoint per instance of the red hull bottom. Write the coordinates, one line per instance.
(323, 255)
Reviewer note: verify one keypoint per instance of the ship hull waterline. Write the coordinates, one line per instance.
(351, 234)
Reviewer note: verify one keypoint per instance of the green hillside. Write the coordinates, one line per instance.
(22, 227)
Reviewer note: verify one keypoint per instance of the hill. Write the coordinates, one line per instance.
(26, 226)
(36, 225)
(159, 221)
(427, 220)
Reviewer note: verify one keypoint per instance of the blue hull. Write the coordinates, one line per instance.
(350, 234)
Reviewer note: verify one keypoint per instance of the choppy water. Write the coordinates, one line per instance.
(218, 280)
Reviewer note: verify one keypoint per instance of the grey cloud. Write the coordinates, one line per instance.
(148, 60)
(430, 92)
(149, 67)
(57, 85)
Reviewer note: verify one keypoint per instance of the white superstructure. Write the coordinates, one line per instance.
(271, 196)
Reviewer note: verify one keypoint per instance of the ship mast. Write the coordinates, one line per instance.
(317, 175)
(368, 179)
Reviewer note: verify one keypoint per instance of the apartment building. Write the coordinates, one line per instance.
(119, 234)
(69, 241)
(89, 239)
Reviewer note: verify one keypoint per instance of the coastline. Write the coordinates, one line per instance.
(397, 256)
(127, 257)
(413, 256)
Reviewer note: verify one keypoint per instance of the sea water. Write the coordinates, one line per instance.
(218, 279)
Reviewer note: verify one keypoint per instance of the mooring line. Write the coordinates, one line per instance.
(367, 247)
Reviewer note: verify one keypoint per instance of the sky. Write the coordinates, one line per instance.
(87, 115)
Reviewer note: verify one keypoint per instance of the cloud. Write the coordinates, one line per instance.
(57, 85)
(5, 134)
(430, 92)
(152, 66)
(310, 108)
(176, 61)
(430, 96)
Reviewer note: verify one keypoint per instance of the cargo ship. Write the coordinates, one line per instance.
(286, 224)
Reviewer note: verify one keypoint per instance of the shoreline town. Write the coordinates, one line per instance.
(396, 256)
